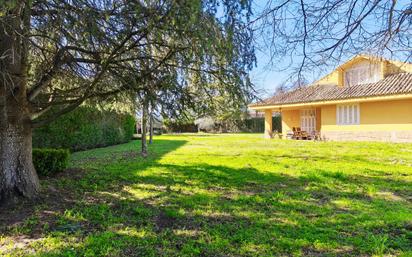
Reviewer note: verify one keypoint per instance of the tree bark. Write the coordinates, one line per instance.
(144, 130)
(151, 125)
(17, 174)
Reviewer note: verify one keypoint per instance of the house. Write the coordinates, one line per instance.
(366, 98)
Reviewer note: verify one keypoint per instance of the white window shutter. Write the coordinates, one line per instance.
(347, 114)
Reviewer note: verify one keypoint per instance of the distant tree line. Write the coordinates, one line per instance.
(208, 124)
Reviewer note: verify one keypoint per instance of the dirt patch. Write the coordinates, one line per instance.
(33, 215)
(18, 242)
(342, 251)
(15, 213)
(130, 155)
(312, 252)
(320, 197)
(27, 221)
(164, 221)
(72, 173)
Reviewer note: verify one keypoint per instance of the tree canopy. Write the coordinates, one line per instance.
(57, 54)
(109, 47)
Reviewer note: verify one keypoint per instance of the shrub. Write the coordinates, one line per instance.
(85, 128)
(257, 125)
(179, 126)
(50, 161)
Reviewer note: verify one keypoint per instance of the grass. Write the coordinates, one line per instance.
(221, 195)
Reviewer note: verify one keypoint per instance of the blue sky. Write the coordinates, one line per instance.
(267, 77)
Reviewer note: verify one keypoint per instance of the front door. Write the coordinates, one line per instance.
(308, 120)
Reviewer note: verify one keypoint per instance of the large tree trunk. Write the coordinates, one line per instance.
(17, 174)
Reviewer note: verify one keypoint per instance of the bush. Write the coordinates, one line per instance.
(50, 161)
(85, 128)
(180, 126)
(257, 125)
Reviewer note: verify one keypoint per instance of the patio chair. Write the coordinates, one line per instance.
(297, 133)
(315, 135)
(304, 135)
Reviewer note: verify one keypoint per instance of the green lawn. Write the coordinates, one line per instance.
(222, 195)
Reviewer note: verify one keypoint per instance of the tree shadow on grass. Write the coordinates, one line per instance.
(101, 220)
(122, 209)
(248, 210)
(64, 190)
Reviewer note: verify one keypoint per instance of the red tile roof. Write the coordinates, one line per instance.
(395, 84)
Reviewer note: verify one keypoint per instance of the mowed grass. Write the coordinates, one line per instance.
(223, 195)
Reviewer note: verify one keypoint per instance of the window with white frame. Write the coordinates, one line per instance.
(362, 73)
(347, 114)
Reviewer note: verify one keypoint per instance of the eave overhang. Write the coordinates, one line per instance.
(329, 102)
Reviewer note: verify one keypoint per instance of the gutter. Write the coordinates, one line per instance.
(330, 102)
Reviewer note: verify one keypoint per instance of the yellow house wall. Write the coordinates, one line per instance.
(392, 67)
(374, 116)
(290, 119)
(268, 124)
(331, 78)
(318, 119)
(388, 67)
(336, 77)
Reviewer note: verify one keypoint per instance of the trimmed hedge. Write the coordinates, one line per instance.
(180, 126)
(50, 161)
(257, 125)
(85, 128)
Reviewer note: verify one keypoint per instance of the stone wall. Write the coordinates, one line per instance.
(385, 136)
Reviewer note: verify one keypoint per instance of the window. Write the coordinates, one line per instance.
(362, 74)
(347, 114)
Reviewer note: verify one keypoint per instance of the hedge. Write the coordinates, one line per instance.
(254, 125)
(85, 128)
(180, 126)
(257, 125)
(50, 161)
